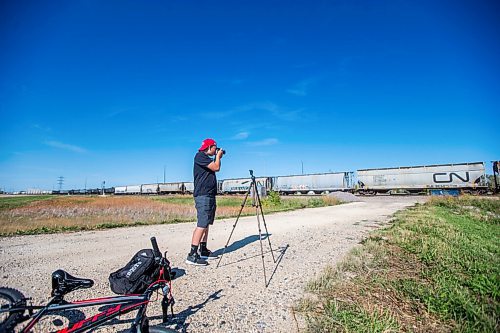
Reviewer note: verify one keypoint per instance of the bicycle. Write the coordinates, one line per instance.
(15, 309)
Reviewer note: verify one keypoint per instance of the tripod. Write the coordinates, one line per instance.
(258, 211)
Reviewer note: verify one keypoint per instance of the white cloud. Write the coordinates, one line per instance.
(301, 88)
(218, 114)
(41, 128)
(265, 142)
(275, 110)
(115, 113)
(65, 146)
(297, 91)
(241, 136)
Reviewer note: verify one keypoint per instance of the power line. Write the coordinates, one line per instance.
(60, 182)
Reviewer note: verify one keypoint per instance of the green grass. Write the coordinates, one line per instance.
(437, 266)
(272, 203)
(228, 201)
(7, 203)
(181, 200)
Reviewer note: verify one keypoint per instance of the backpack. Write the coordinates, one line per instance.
(137, 275)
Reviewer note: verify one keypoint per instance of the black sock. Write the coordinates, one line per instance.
(194, 249)
(203, 246)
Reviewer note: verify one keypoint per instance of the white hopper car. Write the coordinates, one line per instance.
(241, 185)
(149, 189)
(171, 188)
(314, 183)
(466, 177)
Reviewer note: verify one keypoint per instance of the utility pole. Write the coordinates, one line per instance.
(496, 169)
(164, 167)
(60, 182)
(301, 162)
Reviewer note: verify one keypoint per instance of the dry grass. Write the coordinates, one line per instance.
(67, 213)
(22, 215)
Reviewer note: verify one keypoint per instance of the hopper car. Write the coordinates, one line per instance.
(321, 183)
(464, 177)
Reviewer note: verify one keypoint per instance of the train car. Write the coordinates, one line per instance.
(189, 187)
(314, 183)
(129, 189)
(108, 190)
(34, 191)
(133, 189)
(120, 190)
(241, 185)
(171, 188)
(467, 177)
(149, 188)
(95, 191)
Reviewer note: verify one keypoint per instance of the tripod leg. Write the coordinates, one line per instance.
(234, 226)
(265, 225)
(261, 246)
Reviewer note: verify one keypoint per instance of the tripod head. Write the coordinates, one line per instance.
(251, 174)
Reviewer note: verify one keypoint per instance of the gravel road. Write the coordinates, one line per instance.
(231, 298)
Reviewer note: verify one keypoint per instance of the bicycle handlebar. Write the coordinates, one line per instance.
(156, 250)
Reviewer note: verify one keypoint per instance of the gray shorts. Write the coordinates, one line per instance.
(205, 208)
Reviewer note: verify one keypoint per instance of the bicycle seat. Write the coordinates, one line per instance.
(63, 283)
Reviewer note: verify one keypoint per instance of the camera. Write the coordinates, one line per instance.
(223, 151)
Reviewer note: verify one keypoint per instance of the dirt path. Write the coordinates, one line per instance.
(231, 298)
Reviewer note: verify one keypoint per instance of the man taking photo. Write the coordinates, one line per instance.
(205, 190)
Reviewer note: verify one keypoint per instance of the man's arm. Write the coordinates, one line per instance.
(215, 165)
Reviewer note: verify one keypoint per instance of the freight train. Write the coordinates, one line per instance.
(455, 178)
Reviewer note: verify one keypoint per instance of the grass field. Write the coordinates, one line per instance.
(436, 269)
(48, 214)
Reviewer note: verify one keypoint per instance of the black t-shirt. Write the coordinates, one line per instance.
(205, 181)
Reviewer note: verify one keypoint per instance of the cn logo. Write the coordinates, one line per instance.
(445, 177)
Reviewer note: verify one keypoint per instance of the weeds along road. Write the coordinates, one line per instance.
(231, 298)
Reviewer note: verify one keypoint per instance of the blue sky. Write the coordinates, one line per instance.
(118, 91)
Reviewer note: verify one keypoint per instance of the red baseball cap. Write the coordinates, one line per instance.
(207, 143)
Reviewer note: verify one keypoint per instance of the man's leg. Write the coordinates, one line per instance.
(204, 251)
(204, 238)
(193, 257)
(199, 236)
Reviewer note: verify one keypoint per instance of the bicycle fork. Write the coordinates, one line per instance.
(168, 300)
